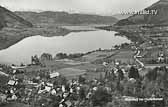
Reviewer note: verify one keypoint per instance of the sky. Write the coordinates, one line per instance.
(104, 7)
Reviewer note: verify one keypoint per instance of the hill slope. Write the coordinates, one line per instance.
(63, 18)
(161, 18)
(121, 16)
(9, 19)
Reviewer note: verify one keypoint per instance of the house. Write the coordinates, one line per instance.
(105, 64)
(68, 103)
(12, 82)
(53, 92)
(18, 67)
(55, 74)
(3, 98)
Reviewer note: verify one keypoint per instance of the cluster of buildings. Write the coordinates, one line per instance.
(46, 89)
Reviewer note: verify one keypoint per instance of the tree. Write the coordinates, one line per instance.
(138, 88)
(61, 80)
(120, 75)
(35, 60)
(46, 56)
(81, 79)
(152, 75)
(133, 73)
(61, 55)
(82, 94)
(101, 97)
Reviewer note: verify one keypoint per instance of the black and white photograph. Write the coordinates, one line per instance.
(83, 53)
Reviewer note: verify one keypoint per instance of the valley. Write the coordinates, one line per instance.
(61, 59)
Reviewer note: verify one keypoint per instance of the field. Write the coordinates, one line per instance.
(84, 65)
(98, 55)
(124, 56)
(71, 73)
(15, 105)
(69, 68)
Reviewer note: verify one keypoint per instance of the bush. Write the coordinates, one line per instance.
(133, 73)
(101, 97)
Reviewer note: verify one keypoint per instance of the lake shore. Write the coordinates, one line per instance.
(130, 32)
(75, 42)
(11, 36)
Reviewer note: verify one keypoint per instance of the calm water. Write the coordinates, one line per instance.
(71, 43)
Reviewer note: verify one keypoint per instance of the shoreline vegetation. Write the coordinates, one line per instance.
(77, 56)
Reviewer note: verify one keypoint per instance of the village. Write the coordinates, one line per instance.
(101, 78)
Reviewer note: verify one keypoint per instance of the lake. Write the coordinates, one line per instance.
(77, 42)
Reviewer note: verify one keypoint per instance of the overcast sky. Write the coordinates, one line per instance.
(105, 7)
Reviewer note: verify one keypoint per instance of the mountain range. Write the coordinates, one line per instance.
(121, 16)
(28, 19)
(64, 18)
(15, 26)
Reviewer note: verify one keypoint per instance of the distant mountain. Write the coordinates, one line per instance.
(161, 18)
(121, 16)
(10, 19)
(65, 18)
